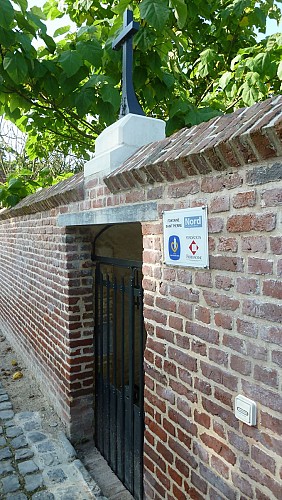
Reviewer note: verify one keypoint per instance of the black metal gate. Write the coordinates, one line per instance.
(119, 378)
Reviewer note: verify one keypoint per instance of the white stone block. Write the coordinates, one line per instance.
(120, 140)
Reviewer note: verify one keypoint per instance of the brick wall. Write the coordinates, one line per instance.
(46, 309)
(212, 334)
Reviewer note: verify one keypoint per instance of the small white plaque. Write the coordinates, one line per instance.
(186, 237)
(245, 410)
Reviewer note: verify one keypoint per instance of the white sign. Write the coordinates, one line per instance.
(186, 237)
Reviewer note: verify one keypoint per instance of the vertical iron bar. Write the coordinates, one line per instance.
(96, 350)
(122, 413)
(141, 384)
(115, 366)
(131, 355)
(108, 291)
(101, 333)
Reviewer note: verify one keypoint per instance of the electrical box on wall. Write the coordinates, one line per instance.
(245, 410)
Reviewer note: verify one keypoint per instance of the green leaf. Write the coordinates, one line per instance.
(91, 51)
(144, 39)
(7, 14)
(196, 116)
(51, 86)
(7, 37)
(51, 45)
(225, 79)
(279, 70)
(61, 31)
(15, 183)
(70, 61)
(180, 11)
(249, 94)
(155, 12)
(22, 3)
(84, 100)
(16, 67)
(111, 94)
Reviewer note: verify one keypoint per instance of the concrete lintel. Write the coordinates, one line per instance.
(141, 212)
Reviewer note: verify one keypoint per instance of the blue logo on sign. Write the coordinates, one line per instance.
(174, 247)
(195, 221)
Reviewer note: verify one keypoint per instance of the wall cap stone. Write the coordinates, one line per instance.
(233, 140)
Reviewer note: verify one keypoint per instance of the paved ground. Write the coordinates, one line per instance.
(35, 465)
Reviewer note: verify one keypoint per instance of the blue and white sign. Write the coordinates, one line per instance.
(186, 237)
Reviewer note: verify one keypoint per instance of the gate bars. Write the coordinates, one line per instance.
(119, 341)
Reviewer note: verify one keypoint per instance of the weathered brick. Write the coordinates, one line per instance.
(238, 442)
(276, 245)
(203, 314)
(264, 396)
(242, 484)
(266, 375)
(247, 286)
(227, 244)
(266, 310)
(244, 199)
(202, 332)
(214, 373)
(260, 266)
(263, 459)
(223, 320)
(241, 365)
(254, 244)
(216, 481)
(262, 175)
(220, 301)
(220, 466)
(272, 288)
(250, 222)
(219, 204)
(271, 197)
(276, 357)
(234, 264)
(202, 419)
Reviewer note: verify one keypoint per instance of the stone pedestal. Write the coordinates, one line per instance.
(120, 140)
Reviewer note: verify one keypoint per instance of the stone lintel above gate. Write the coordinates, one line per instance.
(141, 212)
(120, 140)
(247, 136)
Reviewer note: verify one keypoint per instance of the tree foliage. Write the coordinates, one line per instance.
(194, 59)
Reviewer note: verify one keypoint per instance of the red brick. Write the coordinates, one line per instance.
(224, 282)
(182, 340)
(202, 386)
(276, 357)
(227, 245)
(260, 266)
(219, 447)
(203, 332)
(238, 442)
(203, 314)
(249, 222)
(165, 334)
(223, 396)
(266, 310)
(220, 301)
(272, 197)
(202, 419)
(254, 244)
(182, 358)
(203, 278)
(155, 346)
(182, 453)
(217, 375)
(200, 451)
(183, 422)
(264, 396)
(215, 225)
(240, 365)
(219, 429)
(165, 304)
(199, 347)
(225, 415)
(247, 286)
(220, 466)
(164, 452)
(276, 245)
(233, 264)
(266, 375)
(272, 423)
(234, 343)
(273, 288)
(242, 484)
(184, 407)
(218, 356)
(223, 321)
(165, 393)
(176, 478)
(265, 480)
(263, 459)
(244, 199)
(175, 323)
(198, 482)
(219, 204)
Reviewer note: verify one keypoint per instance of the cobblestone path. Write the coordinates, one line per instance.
(35, 465)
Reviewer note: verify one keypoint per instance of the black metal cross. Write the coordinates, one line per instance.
(129, 103)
